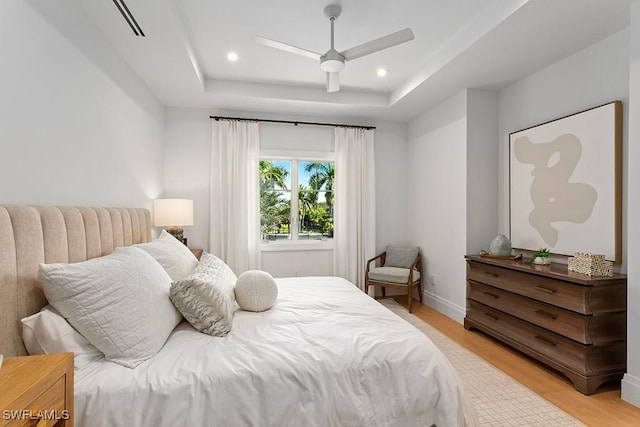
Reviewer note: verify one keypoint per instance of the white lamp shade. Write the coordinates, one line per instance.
(172, 212)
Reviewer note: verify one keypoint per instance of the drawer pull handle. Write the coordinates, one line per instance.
(491, 316)
(545, 340)
(547, 290)
(491, 274)
(546, 314)
(489, 294)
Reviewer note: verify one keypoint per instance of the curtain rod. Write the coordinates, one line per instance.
(291, 122)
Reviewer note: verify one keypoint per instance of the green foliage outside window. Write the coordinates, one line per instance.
(314, 194)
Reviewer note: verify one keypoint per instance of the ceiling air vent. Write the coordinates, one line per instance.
(126, 14)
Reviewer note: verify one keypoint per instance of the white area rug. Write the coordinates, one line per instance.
(498, 398)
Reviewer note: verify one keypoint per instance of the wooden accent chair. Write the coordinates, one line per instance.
(399, 268)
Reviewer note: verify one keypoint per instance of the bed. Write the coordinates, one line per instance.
(325, 354)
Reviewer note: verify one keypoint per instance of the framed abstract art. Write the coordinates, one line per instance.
(565, 184)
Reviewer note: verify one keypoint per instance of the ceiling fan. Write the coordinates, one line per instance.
(333, 61)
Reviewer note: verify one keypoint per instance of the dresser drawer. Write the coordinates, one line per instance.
(563, 322)
(586, 329)
(541, 343)
(554, 292)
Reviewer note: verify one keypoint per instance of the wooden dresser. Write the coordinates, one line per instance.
(572, 322)
(37, 391)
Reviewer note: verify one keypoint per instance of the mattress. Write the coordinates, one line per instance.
(325, 355)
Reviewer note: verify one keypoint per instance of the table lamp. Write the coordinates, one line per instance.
(173, 214)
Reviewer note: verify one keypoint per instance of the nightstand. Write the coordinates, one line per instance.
(37, 390)
(197, 253)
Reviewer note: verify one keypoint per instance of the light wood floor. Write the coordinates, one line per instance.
(605, 408)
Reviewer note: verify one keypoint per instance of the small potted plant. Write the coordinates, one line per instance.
(541, 257)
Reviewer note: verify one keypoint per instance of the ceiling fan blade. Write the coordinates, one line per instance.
(376, 45)
(287, 47)
(333, 81)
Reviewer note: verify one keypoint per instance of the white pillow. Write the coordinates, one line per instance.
(206, 298)
(174, 256)
(119, 302)
(47, 332)
(256, 290)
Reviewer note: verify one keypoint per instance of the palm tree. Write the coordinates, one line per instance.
(274, 208)
(323, 176)
(272, 176)
(275, 211)
(307, 200)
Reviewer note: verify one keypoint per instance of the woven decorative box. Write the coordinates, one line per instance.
(591, 264)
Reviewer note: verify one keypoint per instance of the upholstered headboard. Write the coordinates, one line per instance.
(30, 235)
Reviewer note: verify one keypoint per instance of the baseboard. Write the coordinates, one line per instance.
(444, 306)
(631, 389)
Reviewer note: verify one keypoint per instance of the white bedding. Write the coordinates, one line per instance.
(325, 355)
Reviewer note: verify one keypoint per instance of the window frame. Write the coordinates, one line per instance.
(296, 156)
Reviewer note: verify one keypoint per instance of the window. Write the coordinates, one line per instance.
(310, 184)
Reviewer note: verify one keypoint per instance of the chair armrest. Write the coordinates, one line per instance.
(379, 256)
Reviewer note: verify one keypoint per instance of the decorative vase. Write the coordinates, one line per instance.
(541, 260)
(500, 246)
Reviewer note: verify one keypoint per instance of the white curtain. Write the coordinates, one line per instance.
(234, 233)
(355, 203)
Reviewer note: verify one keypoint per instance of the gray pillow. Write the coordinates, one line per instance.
(400, 257)
(206, 296)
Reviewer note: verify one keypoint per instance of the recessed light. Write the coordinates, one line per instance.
(382, 72)
(232, 56)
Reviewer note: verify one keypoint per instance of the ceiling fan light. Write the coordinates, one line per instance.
(331, 65)
(332, 61)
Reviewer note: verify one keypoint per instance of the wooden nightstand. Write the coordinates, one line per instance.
(197, 253)
(37, 391)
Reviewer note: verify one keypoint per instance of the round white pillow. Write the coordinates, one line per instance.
(256, 290)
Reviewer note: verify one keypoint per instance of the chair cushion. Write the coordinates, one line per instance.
(400, 257)
(392, 275)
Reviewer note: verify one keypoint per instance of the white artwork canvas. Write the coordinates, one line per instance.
(565, 184)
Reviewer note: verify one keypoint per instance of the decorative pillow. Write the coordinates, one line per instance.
(174, 256)
(47, 332)
(256, 290)
(400, 257)
(205, 298)
(119, 302)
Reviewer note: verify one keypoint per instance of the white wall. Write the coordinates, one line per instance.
(437, 201)
(453, 184)
(482, 169)
(594, 76)
(631, 381)
(187, 159)
(75, 127)
(187, 152)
